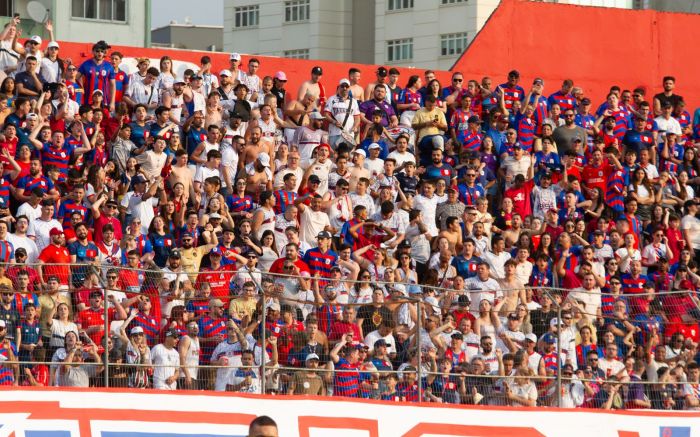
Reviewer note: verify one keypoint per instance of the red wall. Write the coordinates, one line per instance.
(596, 47)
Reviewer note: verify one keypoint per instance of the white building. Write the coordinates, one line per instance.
(420, 33)
(123, 22)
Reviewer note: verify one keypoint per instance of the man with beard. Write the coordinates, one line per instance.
(259, 175)
(308, 138)
(195, 132)
(439, 169)
(291, 256)
(55, 253)
(253, 148)
(98, 74)
(104, 212)
(91, 319)
(226, 89)
(35, 179)
(297, 112)
(191, 256)
(81, 251)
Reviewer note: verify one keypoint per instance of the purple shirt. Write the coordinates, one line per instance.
(368, 107)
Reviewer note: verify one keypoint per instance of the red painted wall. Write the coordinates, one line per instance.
(596, 47)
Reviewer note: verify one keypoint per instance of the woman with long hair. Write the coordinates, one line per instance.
(410, 100)
(167, 213)
(361, 292)
(166, 79)
(435, 89)
(269, 250)
(60, 324)
(643, 192)
(161, 240)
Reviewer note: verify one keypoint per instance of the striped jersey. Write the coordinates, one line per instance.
(283, 199)
(7, 375)
(346, 381)
(96, 77)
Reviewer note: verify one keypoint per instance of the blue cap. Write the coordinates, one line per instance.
(549, 338)
(216, 251)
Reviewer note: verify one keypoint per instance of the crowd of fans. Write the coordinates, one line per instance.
(462, 243)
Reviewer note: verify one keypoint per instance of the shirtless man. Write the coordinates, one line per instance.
(314, 87)
(258, 176)
(358, 169)
(297, 112)
(254, 147)
(180, 173)
(214, 111)
(453, 234)
(513, 289)
(355, 88)
(512, 235)
(307, 138)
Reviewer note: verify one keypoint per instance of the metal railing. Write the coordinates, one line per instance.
(373, 382)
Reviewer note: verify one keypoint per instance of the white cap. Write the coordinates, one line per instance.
(312, 356)
(214, 215)
(2, 323)
(554, 322)
(360, 152)
(52, 44)
(274, 306)
(374, 146)
(264, 159)
(136, 330)
(344, 81)
(235, 56)
(36, 39)
(532, 337)
(226, 73)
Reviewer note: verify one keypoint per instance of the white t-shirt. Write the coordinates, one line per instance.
(39, 229)
(692, 224)
(479, 290)
(610, 367)
(28, 210)
(312, 222)
(338, 109)
(139, 208)
(27, 243)
(427, 205)
(165, 361)
(233, 352)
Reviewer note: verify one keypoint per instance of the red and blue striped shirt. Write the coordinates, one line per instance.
(96, 77)
(346, 381)
(283, 199)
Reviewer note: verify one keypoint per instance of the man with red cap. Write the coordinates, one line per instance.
(55, 253)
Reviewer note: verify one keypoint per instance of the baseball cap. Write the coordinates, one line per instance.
(381, 71)
(138, 179)
(316, 116)
(374, 146)
(312, 356)
(274, 306)
(21, 251)
(462, 300)
(175, 254)
(55, 231)
(549, 338)
(226, 73)
(264, 159)
(689, 203)
(214, 216)
(52, 44)
(585, 101)
(317, 71)
(281, 76)
(360, 152)
(473, 119)
(215, 303)
(216, 251)
(172, 332)
(235, 56)
(380, 342)
(136, 330)
(457, 335)
(531, 337)
(313, 179)
(344, 81)
(35, 39)
(98, 91)
(2, 323)
(324, 234)
(554, 322)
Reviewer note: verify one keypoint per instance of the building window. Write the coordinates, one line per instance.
(298, 10)
(453, 43)
(397, 5)
(103, 10)
(6, 8)
(247, 16)
(451, 2)
(399, 50)
(297, 54)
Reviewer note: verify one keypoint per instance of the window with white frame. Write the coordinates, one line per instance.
(103, 10)
(297, 54)
(397, 5)
(246, 16)
(297, 10)
(452, 44)
(451, 2)
(399, 50)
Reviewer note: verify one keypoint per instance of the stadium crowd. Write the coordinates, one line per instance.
(464, 241)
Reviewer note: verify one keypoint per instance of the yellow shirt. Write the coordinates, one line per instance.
(242, 306)
(191, 259)
(424, 116)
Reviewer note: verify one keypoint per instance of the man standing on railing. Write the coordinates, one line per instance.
(189, 351)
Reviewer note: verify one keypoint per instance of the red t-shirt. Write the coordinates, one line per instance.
(596, 176)
(278, 266)
(103, 220)
(53, 254)
(89, 317)
(219, 280)
(521, 198)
